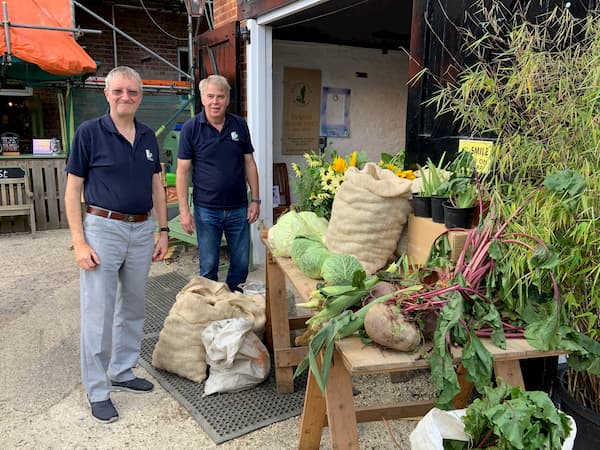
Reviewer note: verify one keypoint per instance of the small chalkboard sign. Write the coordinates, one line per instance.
(11, 172)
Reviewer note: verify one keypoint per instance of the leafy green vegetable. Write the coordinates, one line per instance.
(339, 269)
(303, 243)
(282, 234)
(317, 225)
(311, 261)
(507, 418)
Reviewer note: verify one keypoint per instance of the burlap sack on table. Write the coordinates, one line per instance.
(202, 301)
(368, 215)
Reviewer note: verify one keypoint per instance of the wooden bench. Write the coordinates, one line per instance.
(16, 198)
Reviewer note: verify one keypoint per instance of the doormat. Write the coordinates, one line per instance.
(223, 416)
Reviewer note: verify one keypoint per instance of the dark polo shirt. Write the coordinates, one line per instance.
(118, 176)
(218, 171)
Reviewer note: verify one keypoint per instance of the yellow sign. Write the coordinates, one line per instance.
(481, 151)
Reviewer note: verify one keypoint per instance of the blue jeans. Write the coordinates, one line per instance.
(210, 226)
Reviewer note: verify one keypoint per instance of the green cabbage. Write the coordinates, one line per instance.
(339, 269)
(311, 261)
(301, 244)
(282, 234)
(317, 225)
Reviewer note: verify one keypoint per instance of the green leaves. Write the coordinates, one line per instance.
(566, 182)
(513, 419)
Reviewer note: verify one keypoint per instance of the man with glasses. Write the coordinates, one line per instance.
(114, 162)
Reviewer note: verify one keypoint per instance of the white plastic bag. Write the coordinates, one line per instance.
(438, 425)
(237, 358)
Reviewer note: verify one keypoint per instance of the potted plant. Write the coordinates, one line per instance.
(460, 207)
(431, 178)
(539, 96)
(463, 166)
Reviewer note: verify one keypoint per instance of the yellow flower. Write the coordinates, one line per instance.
(353, 159)
(323, 196)
(339, 165)
(336, 181)
(296, 170)
(391, 166)
(326, 179)
(313, 160)
(408, 174)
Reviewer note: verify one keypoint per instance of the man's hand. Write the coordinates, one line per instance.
(253, 212)
(85, 256)
(161, 247)
(187, 222)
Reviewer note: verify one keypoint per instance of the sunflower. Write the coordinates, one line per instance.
(339, 165)
(408, 174)
(327, 178)
(336, 181)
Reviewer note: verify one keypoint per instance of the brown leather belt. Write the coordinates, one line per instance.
(117, 215)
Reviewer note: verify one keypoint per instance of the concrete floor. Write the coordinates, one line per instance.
(42, 402)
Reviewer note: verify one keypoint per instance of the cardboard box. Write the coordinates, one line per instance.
(422, 232)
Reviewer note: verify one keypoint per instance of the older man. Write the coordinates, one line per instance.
(217, 146)
(115, 163)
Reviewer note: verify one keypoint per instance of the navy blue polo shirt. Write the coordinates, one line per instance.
(218, 171)
(117, 176)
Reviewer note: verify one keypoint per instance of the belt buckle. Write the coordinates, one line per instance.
(129, 218)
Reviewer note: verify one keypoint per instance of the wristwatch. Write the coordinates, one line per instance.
(255, 200)
(161, 229)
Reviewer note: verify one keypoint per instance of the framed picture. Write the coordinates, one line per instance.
(335, 112)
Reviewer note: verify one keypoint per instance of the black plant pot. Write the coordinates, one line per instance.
(458, 217)
(421, 206)
(437, 210)
(587, 420)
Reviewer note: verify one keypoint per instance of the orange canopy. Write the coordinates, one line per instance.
(54, 51)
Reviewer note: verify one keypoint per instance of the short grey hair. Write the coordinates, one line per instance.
(124, 71)
(216, 80)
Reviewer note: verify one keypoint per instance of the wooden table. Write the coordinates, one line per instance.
(351, 357)
(279, 321)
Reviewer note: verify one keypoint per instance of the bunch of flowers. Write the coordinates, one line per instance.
(317, 182)
(395, 163)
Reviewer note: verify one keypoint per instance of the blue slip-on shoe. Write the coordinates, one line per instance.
(104, 411)
(137, 386)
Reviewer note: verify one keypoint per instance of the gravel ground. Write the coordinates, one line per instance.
(44, 405)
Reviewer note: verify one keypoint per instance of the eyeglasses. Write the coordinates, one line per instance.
(121, 92)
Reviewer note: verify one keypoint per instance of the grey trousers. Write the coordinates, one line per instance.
(113, 297)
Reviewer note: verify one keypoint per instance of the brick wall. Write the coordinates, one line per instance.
(225, 11)
(135, 23)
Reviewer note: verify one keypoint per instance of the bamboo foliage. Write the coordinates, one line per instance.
(535, 84)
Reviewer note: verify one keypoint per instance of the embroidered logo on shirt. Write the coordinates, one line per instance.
(149, 155)
(234, 136)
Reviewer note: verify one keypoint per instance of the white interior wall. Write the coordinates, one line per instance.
(377, 103)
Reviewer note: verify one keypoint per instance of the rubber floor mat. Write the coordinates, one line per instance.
(223, 416)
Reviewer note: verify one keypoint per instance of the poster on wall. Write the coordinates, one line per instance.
(301, 110)
(335, 112)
